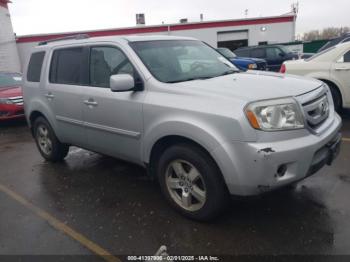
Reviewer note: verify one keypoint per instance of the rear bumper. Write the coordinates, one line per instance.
(11, 112)
(253, 168)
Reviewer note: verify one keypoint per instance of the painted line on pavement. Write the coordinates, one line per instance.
(60, 226)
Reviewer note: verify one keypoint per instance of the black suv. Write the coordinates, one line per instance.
(274, 55)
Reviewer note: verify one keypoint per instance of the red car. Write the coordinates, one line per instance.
(11, 99)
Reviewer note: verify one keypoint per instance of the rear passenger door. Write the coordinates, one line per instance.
(67, 76)
(113, 120)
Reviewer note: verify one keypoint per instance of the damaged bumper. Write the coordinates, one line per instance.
(253, 168)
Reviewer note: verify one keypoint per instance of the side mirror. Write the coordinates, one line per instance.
(282, 54)
(121, 83)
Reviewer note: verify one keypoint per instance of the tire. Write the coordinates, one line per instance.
(337, 100)
(191, 182)
(48, 145)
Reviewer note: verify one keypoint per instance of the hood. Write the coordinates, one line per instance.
(10, 91)
(252, 85)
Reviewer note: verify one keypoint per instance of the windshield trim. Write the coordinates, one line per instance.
(229, 63)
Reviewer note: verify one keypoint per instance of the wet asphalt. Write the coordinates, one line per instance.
(116, 205)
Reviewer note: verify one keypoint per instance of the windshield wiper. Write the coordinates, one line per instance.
(228, 72)
(189, 79)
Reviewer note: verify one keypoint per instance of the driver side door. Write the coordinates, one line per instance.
(113, 120)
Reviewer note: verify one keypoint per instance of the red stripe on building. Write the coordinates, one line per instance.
(4, 3)
(157, 29)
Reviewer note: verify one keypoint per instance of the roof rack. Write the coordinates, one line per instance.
(70, 37)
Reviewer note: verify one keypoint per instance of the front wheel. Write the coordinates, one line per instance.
(192, 182)
(48, 144)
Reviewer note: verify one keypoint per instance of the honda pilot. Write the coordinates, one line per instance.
(174, 105)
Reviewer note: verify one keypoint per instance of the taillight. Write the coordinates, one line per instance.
(283, 69)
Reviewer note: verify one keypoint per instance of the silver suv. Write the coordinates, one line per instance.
(176, 106)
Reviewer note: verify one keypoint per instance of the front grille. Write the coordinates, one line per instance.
(316, 111)
(4, 113)
(17, 100)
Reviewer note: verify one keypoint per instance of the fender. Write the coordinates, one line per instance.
(328, 77)
(343, 91)
(37, 105)
(186, 129)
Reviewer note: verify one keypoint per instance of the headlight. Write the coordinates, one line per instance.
(274, 115)
(252, 66)
(5, 101)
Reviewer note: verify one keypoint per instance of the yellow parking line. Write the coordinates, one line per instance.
(54, 222)
(346, 139)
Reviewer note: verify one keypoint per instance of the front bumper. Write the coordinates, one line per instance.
(253, 168)
(11, 112)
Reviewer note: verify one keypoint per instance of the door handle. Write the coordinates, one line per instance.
(90, 102)
(342, 69)
(49, 96)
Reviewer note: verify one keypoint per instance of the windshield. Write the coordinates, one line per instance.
(226, 52)
(285, 49)
(10, 79)
(172, 61)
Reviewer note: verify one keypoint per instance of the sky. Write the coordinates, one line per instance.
(51, 16)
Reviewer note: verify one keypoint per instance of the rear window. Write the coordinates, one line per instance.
(34, 67)
(66, 66)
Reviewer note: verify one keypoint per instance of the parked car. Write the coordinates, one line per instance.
(243, 63)
(342, 39)
(11, 100)
(274, 55)
(331, 66)
(174, 105)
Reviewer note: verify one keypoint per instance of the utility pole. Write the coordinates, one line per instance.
(295, 11)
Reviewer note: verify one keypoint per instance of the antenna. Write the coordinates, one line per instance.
(246, 13)
(295, 8)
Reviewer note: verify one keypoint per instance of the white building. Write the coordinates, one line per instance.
(9, 60)
(225, 33)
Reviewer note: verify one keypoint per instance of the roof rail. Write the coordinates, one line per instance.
(70, 37)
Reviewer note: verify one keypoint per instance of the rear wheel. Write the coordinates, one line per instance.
(192, 182)
(48, 144)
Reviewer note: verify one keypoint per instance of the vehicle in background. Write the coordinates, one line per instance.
(342, 39)
(174, 105)
(274, 55)
(305, 55)
(243, 63)
(11, 100)
(331, 66)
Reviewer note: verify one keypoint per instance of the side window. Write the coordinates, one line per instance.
(346, 57)
(273, 53)
(34, 67)
(107, 61)
(258, 53)
(66, 66)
